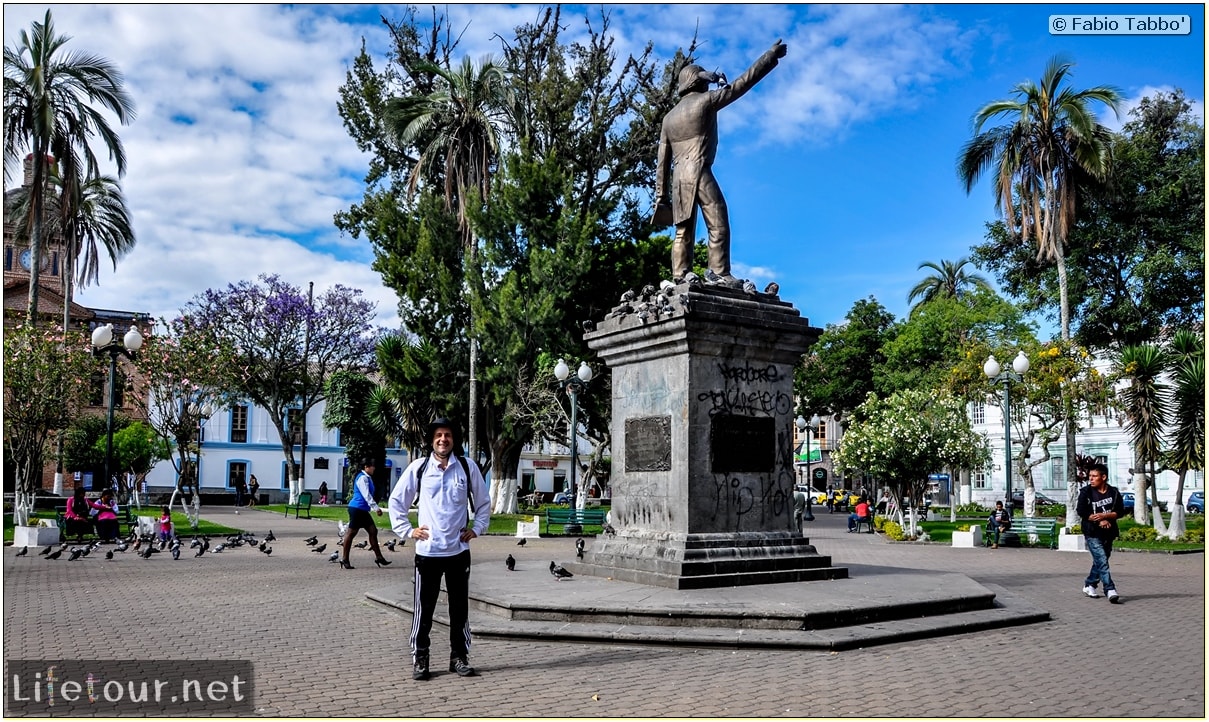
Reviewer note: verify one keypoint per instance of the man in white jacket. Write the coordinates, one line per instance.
(443, 486)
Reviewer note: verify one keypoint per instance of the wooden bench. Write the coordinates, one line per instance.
(125, 519)
(304, 504)
(1038, 525)
(556, 515)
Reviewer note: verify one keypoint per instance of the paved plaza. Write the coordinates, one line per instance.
(321, 648)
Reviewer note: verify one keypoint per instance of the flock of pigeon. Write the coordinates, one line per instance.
(146, 546)
(558, 571)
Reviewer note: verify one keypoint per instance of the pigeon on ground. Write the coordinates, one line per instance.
(121, 547)
(55, 554)
(341, 527)
(218, 549)
(263, 546)
(146, 553)
(312, 541)
(559, 573)
(75, 554)
(176, 552)
(335, 557)
(46, 551)
(772, 289)
(268, 552)
(23, 552)
(195, 543)
(109, 555)
(270, 536)
(391, 544)
(579, 548)
(319, 549)
(521, 543)
(510, 562)
(607, 528)
(362, 545)
(200, 551)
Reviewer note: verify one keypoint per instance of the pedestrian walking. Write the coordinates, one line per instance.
(1099, 506)
(359, 508)
(443, 486)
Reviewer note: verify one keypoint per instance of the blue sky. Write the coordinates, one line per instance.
(838, 168)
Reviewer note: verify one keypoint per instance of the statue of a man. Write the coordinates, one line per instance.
(687, 146)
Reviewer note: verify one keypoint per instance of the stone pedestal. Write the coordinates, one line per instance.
(703, 473)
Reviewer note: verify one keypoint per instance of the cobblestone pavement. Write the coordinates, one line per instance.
(320, 648)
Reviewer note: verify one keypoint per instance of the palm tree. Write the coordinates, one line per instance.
(95, 218)
(1146, 410)
(1051, 147)
(48, 109)
(458, 127)
(1187, 448)
(949, 280)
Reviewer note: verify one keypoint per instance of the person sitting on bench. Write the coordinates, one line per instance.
(999, 522)
(76, 516)
(858, 515)
(107, 516)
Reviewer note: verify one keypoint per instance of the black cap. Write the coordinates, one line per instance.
(442, 422)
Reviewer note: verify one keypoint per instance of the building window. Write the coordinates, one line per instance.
(239, 424)
(980, 479)
(8, 258)
(119, 390)
(978, 414)
(1057, 473)
(237, 471)
(560, 480)
(54, 263)
(293, 424)
(820, 436)
(96, 388)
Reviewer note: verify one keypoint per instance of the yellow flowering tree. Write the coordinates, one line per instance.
(1062, 384)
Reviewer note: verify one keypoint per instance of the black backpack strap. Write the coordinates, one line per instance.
(465, 468)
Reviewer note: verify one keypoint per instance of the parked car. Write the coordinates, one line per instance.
(1127, 498)
(562, 497)
(1196, 502)
(1042, 499)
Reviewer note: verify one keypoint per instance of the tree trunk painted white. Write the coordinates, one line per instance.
(1140, 486)
(503, 494)
(1177, 527)
(23, 508)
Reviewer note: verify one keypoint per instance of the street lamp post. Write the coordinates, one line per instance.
(573, 385)
(992, 369)
(103, 341)
(802, 427)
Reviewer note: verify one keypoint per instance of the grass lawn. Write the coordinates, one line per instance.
(942, 532)
(501, 524)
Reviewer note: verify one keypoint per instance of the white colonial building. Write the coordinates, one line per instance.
(241, 440)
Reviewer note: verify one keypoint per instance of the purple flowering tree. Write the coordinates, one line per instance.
(187, 375)
(285, 343)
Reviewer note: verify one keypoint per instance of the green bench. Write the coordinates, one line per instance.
(555, 515)
(304, 504)
(125, 519)
(1038, 525)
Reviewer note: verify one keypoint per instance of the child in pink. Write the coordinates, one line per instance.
(166, 525)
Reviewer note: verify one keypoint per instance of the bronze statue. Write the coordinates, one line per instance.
(687, 146)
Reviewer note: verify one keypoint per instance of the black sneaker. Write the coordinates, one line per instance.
(461, 666)
(419, 669)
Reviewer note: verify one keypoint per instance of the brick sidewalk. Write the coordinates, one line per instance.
(320, 648)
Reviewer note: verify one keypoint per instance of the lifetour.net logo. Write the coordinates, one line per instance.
(75, 687)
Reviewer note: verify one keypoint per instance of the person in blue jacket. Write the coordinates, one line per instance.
(359, 508)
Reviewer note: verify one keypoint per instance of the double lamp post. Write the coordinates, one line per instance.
(992, 369)
(808, 429)
(104, 342)
(573, 385)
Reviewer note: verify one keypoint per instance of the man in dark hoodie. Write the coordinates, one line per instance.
(1099, 506)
